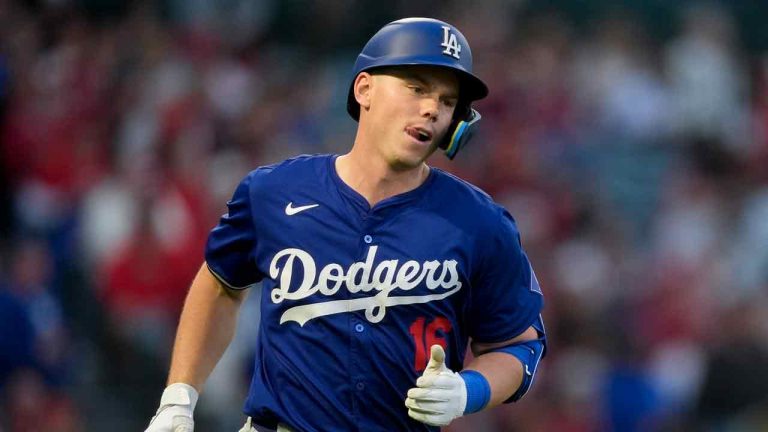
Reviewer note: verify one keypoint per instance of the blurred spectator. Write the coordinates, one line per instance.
(618, 83)
(17, 338)
(735, 387)
(30, 283)
(144, 286)
(747, 274)
(34, 406)
(708, 80)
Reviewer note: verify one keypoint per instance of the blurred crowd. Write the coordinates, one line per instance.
(628, 139)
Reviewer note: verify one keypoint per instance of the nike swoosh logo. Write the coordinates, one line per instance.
(290, 210)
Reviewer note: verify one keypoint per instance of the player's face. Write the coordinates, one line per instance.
(410, 111)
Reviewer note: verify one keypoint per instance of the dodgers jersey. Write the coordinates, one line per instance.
(354, 296)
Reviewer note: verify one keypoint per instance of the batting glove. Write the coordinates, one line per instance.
(440, 395)
(175, 412)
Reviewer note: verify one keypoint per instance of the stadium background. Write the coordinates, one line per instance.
(628, 138)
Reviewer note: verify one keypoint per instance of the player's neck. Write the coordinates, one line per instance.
(374, 179)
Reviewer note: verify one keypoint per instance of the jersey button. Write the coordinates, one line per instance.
(360, 386)
(359, 328)
(368, 239)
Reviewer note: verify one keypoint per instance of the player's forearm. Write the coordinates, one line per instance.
(503, 372)
(206, 328)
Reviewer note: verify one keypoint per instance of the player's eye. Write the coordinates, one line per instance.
(449, 102)
(416, 89)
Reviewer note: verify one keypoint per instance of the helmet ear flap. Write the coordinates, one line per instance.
(460, 132)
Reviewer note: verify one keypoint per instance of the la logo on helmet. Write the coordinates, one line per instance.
(451, 45)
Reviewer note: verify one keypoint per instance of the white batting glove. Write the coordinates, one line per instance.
(175, 412)
(440, 395)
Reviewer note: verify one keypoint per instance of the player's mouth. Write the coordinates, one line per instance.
(419, 134)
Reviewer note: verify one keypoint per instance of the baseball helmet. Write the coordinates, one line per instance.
(426, 41)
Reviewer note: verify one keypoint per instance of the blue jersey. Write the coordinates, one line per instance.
(353, 296)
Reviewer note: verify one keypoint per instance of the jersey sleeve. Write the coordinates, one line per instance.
(231, 244)
(506, 298)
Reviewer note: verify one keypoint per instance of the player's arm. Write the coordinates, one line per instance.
(205, 329)
(503, 371)
(507, 301)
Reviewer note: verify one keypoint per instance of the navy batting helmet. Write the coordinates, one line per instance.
(426, 41)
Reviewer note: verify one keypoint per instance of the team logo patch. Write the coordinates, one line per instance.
(386, 277)
(450, 43)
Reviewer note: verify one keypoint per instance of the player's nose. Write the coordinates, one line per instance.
(430, 108)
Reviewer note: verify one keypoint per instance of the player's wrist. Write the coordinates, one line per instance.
(478, 391)
(180, 394)
(176, 409)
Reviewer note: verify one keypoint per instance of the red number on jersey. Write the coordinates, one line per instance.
(424, 338)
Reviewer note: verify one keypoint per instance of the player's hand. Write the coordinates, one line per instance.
(176, 408)
(440, 395)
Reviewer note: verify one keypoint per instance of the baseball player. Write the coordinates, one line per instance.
(376, 269)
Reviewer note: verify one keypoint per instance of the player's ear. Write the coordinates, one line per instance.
(362, 89)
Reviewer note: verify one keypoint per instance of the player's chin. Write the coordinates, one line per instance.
(411, 158)
(419, 151)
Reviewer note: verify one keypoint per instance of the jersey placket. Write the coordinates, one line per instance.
(359, 327)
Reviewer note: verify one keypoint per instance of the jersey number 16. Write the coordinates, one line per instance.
(426, 336)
